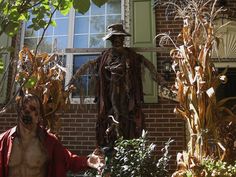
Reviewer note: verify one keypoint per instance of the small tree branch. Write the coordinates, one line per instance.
(45, 29)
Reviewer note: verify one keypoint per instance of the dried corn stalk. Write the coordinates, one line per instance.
(196, 82)
(43, 76)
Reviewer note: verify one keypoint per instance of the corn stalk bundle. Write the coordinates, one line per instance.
(197, 80)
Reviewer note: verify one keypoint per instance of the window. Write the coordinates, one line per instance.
(55, 38)
(76, 31)
(94, 22)
(86, 31)
(85, 80)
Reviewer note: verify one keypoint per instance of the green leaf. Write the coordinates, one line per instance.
(12, 28)
(22, 17)
(14, 14)
(65, 7)
(65, 11)
(99, 3)
(81, 6)
(31, 26)
(46, 6)
(40, 14)
(31, 82)
(42, 23)
(53, 23)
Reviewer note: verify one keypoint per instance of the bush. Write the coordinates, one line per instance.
(218, 168)
(136, 158)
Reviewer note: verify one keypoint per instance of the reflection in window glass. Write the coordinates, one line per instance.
(78, 61)
(95, 10)
(95, 41)
(81, 41)
(62, 25)
(111, 19)
(59, 43)
(55, 38)
(31, 43)
(81, 28)
(97, 24)
(46, 45)
(49, 31)
(114, 7)
(30, 33)
(108, 43)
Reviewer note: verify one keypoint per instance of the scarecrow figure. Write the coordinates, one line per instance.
(119, 89)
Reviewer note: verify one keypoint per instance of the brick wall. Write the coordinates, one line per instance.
(168, 125)
(78, 125)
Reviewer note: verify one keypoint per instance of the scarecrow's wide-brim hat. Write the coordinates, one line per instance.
(115, 29)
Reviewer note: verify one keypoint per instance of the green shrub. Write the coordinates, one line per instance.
(218, 168)
(136, 158)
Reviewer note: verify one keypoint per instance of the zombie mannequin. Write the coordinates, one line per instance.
(120, 91)
(28, 150)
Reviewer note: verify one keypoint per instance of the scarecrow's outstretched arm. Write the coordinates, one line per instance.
(85, 68)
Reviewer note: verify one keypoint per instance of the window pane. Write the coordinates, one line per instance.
(62, 27)
(81, 41)
(29, 32)
(31, 43)
(81, 25)
(97, 24)
(111, 19)
(79, 60)
(95, 10)
(46, 45)
(114, 7)
(96, 41)
(49, 32)
(84, 81)
(55, 38)
(60, 43)
(94, 23)
(108, 44)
